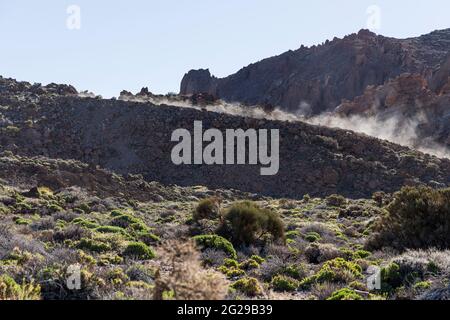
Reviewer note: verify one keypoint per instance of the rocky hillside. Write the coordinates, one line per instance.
(316, 79)
(128, 137)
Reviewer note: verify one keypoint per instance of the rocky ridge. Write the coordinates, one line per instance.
(128, 137)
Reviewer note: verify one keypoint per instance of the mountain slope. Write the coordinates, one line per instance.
(314, 80)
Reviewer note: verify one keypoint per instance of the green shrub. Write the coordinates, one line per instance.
(54, 208)
(246, 223)
(391, 278)
(291, 235)
(21, 256)
(295, 271)
(336, 201)
(139, 250)
(381, 198)
(139, 227)
(345, 294)
(361, 254)
(337, 270)
(124, 220)
(12, 130)
(108, 259)
(258, 259)
(284, 283)
(312, 237)
(357, 285)
(4, 210)
(422, 285)
(148, 237)
(93, 245)
(11, 290)
(231, 263)
(45, 192)
(216, 242)
(207, 209)
(248, 286)
(249, 264)
(417, 218)
(231, 272)
(23, 221)
(89, 224)
(112, 229)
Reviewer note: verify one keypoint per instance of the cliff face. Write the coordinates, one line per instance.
(314, 80)
(135, 138)
(409, 97)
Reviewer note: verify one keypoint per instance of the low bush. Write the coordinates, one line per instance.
(418, 217)
(93, 245)
(216, 242)
(246, 223)
(284, 284)
(11, 290)
(336, 201)
(249, 286)
(23, 221)
(345, 294)
(249, 264)
(337, 270)
(231, 272)
(112, 229)
(89, 224)
(124, 220)
(207, 209)
(139, 250)
(231, 263)
(312, 237)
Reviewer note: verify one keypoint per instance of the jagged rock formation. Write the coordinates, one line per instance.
(314, 80)
(408, 97)
(134, 138)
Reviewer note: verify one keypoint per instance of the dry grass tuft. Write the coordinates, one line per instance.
(182, 277)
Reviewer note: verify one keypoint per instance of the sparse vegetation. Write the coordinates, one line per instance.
(139, 250)
(11, 290)
(246, 223)
(345, 294)
(216, 242)
(207, 209)
(249, 286)
(416, 218)
(129, 249)
(284, 283)
(187, 279)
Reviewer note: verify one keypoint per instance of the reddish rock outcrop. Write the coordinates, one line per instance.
(321, 76)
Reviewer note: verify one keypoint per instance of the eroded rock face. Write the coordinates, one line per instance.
(321, 76)
(440, 82)
(135, 138)
(408, 98)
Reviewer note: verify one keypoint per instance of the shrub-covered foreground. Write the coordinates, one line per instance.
(72, 244)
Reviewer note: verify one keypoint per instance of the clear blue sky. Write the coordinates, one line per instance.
(135, 43)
